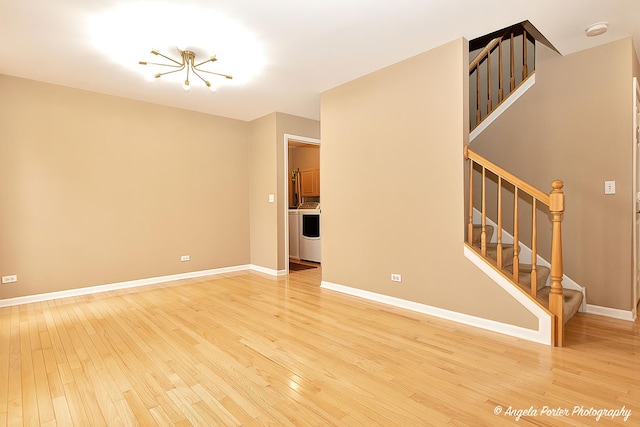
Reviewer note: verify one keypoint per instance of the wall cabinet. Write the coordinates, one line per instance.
(310, 182)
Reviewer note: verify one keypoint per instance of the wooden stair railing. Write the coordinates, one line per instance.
(554, 201)
(487, 75)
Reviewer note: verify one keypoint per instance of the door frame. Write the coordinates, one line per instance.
(634, 199)
(285, 200)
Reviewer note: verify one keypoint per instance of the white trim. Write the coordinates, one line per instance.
(634, 202)
(525, 254)
(297, 138)
(513, 97)
(289, 137)
(543, 335)
(611, 312)
(120, 285)
(269, 271)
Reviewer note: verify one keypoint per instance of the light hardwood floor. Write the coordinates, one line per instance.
(247, 349)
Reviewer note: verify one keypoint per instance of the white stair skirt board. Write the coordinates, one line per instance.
(128, 284)
(513, 97)
(525, 257)
(542, 335)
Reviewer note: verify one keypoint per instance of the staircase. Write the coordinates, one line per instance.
(529, 278)
(571, 299)
(505, 61)
(502, 62)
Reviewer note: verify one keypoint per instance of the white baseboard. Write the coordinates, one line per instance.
(611, 312)
(135, 283)
(269, 271)
(120, 285)
(539, 336)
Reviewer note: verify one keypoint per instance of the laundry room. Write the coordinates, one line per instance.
(304, 202)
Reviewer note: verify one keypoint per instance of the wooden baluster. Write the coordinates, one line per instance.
(525, 67)
(499, 236)
(516, 261)
(512, 66)
(478, 112)
(489, 88)
(500, 87)
(534, 250)
(483, 235)
(470, 226)
(556, 207)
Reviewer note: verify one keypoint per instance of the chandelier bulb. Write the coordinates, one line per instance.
(211, 87)
(186, 86)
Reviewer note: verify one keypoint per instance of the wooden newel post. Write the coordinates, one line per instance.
(556, 207)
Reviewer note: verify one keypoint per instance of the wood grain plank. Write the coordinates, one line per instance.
(249, 349)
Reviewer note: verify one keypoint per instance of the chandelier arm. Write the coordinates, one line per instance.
(199, 76)
(157, 63)
(171, 59)
(217, 74)
(212, 59)
(171, 72)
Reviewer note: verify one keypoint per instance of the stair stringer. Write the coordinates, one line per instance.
(524, 86)
(525, 254)
(543, 334)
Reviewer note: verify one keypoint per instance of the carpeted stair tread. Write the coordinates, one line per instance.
(570, 304)
(524, 274)
(477, 233)
(507, 253)
(571, 299)
(492, 248)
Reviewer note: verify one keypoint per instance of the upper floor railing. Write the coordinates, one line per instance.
(498, 68)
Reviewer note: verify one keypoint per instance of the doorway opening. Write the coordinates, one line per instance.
(301, 168)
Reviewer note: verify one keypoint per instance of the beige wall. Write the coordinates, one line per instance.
(392, 187)
(263, 181)
(291, 125)
(304, 157)
(575, 124)
(267, 152)
(97, 189)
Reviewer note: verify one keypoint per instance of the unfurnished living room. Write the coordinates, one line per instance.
(381, 213)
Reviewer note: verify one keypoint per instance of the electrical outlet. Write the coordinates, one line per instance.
(184, 258)
(10, 279)
(609, 187)
(396, 277)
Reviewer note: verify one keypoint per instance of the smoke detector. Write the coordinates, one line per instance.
(597, 29)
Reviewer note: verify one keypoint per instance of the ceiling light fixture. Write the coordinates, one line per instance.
(597, 29)
(189, 64)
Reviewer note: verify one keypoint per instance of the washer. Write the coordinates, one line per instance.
(309, 217)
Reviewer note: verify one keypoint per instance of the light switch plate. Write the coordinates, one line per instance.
(272, 198)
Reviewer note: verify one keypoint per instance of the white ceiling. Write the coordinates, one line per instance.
(310, 46)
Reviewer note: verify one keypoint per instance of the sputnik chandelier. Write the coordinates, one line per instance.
(189, 64)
